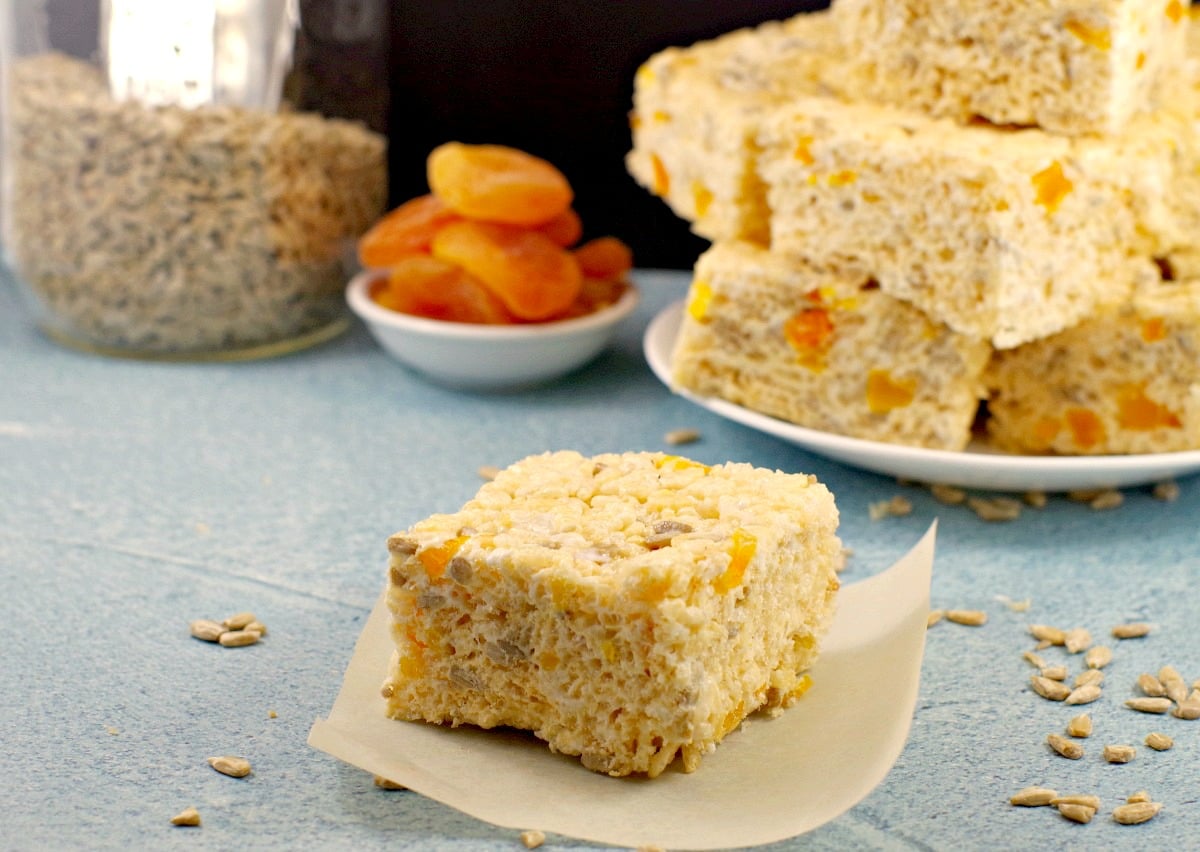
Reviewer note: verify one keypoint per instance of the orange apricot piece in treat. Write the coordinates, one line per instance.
(405, 231)
(565, 229)
(604, 257)
(427, 287)
(533, 277)
(494, 183)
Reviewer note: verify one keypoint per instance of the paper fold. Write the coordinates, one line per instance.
(770, 780)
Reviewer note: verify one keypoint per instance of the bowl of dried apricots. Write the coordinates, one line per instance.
(484, 282)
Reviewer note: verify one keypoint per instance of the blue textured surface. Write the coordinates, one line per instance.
(135, 497)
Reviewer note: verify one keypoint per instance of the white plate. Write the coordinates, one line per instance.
(974, 467)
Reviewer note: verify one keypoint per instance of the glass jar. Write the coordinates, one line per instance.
(157, 201)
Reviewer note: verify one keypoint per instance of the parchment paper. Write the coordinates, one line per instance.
(769, 780)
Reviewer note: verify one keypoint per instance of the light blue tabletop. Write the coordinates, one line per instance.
(135, 497)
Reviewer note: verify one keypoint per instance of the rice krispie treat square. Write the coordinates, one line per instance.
(1069, 66)
(1124, 381)
(630, 609)
(825, 349)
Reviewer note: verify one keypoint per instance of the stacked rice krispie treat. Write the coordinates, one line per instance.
(951, 204)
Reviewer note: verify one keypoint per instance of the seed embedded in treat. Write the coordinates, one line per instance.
(1098, 656)
(1088, 676)
(234, 767)
(1077, 639)
(1065, 747)
(969, 617)
(387, 784)
(239, 621)
(1046, 633)
(1052, 690)
(947, 494)
(995, 508)
(1149, 705)
(239, 638)
(676, 437)
(187, 816)
(533, 838)
(1159, 742)
(207, 630)
(1085, 694)
(1033, 797)
(1131, 630)
(1076, 813)
(1080, 726)
(1119, 753)
(1136, 812)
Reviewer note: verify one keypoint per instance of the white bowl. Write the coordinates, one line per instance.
(482, 357)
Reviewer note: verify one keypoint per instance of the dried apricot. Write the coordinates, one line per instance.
(595, 295)
(533, 277)
(405, 231)
(604, 257)
(565, 229)
(427, 287)
(494, 183)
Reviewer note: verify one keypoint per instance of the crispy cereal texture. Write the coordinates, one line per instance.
(630, 609)
(1125, 381)
(1069, 66)
(825, 349)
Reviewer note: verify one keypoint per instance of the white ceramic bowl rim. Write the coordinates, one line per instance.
(357, 295)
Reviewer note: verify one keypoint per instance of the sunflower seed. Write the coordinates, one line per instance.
(234, 767)
(1189, 710)
(209, 631)
(995, 508)
(239, 621)
(1033, 797)
(1139, 796)
(681, 436)
(238, 638)
(1080, 726)
(1054, 672)
(533, 838)
(1092, 802)
(1136, 812)
(1085, 694)
(187, 816)
(1098, 656)
(1150, 685)
(387, 784)
(1035, 660)
(1119, 753)
(1088, 676)
(488, 472)
(934, 617)
(1065, 747)
(948, 494)
(1046, 633)
(1051, 690)
(1131, 630)
(1035, 499)
(1167, 491)
(1076, 813)
(1149, 705)
(1077, 639)
(969, 617)
(1159, 742)
(1111, 499)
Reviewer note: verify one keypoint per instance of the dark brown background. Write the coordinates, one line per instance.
(552, 78)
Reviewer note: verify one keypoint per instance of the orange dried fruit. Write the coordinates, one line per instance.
(885, 392)
(494, 183)
(427, 287)
(604, 257)
(594, 295)
(565, 229)
(1087, 429)
(810, 333)
(405, 231)
(1136, 410)
(533, 277)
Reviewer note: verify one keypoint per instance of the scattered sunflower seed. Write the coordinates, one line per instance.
(934, 617)
(1080, 726)
(681, 436)
(234, 767)
(1034, 659)
(257, 627)
(207, 630)
(1046, 633)
(1054, 672)
(969, 617)
(1035, 499)
(1098, 656)
(1085, 694)
(1084, 495)
(1110, 499)
(1015, 606)
(533, 838)
(1167, 491)
(1077, 639)
(1033, 797)
(1092, 802)
(187, 816)
(239, 621)
(487, 471)
(239, 638)
(1131, 630)
(1173, 684)
(1051, 690)
(1065, 747)
(1088, 676)
(387, 784)
(995, 508)
(1076, 813)
(1119, 753)
(1159, 742)
(949, 494)
(1189, 709)
(1139, 796)
(1149, 705)
(1150, 685)
(1136, 812)
(898, 506)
